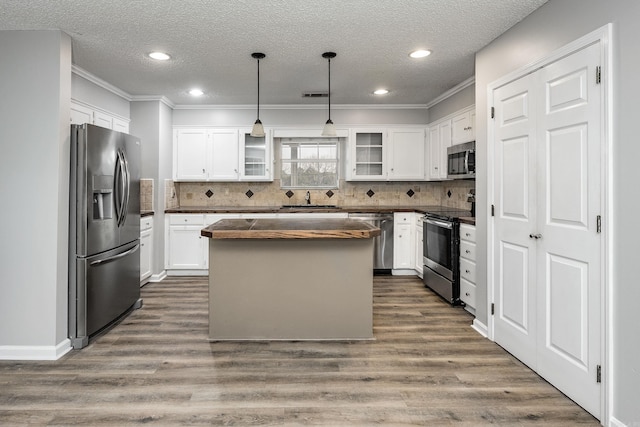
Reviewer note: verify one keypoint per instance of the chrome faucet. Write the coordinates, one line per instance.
(307, 197)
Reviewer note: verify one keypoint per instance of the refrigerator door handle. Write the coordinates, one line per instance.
(121, 189)
(115, 257)
(126, 184)
(116, 185)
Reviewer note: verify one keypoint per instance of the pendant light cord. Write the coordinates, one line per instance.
(329, 88)
(258, 117)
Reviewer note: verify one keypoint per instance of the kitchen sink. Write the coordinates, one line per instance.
(309, 207)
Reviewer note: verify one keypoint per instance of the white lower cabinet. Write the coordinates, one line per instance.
(185, 248)
(468, 266)
(403, 246)
(418, 243)
(146, 248)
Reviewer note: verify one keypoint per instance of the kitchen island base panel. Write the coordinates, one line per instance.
(284, 289)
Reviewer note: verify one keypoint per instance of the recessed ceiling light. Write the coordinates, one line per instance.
(160, 56)
(420, 53)
(380, 92)
(196, 92)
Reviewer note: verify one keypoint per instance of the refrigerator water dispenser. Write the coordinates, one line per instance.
(102, 197)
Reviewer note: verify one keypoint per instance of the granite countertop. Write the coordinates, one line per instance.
(290, 229)
(146, 213)
(279, 209)
(471, 220)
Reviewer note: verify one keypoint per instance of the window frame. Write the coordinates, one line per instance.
(309, 141)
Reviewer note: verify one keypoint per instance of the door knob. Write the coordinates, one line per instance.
(535, 236)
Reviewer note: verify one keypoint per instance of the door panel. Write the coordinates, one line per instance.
(514, 156)
(514, 287)
(547, 152)
(569, 203)
(515, 190)
(566, 309)
(567, 187)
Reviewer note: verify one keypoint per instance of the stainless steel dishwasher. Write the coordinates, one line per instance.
(383, 244)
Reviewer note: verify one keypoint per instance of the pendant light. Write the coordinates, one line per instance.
(258, 129)
(329, 128)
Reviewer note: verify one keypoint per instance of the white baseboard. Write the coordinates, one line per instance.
(614, 422)
(35, 352)
(480, 328)
(158, 277)
(404, 272)
(187, 272)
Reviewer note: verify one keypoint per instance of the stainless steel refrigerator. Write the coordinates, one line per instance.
(104, 230)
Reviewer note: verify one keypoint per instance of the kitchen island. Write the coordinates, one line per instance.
(290, 279)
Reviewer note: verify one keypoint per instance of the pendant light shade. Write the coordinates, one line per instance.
(329, 128)
(258, 129)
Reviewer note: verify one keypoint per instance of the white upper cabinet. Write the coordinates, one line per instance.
(256, 158)
(367, 155)
(81, 114)
(190, 153)
(213, 154)
(224, 155)
(393, 154)
(463, 127)
(406, 154)
(439, 141)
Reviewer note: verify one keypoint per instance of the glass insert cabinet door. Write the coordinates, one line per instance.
(256, 154)
(367, 154)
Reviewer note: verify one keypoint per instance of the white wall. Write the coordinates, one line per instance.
(34, 183)
(302, 116)
(90, 93)
(455, 102)
(151, 121)
(555, 24)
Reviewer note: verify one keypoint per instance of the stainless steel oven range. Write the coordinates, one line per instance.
(441, 252)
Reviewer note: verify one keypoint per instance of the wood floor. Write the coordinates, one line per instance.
(427, 366)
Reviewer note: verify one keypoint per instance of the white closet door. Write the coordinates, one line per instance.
(547, 259)
(515, 218)
(569, 251)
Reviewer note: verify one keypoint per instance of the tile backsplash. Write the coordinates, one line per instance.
(349, 194)
(146, 194)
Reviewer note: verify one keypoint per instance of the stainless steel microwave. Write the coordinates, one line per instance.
(461, 161)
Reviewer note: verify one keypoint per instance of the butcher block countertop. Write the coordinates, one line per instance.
(290, 229)
(294, 209)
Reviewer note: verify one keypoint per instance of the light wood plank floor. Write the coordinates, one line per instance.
(427, 366)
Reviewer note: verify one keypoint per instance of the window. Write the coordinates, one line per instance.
(309, 162)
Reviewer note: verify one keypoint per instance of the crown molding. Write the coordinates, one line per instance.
(163, 99)
(303, 107)
(465, 84)
(99, 82)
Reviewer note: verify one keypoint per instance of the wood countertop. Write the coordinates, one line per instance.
(290, 229)
(311, 209)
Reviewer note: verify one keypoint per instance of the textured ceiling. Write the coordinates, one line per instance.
(211, 42)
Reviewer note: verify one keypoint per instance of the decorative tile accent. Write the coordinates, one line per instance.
(289, 194)
(249, 193)
(209, 193)
(410, 193)
(329, 194)
(370, 193)
(449, 193)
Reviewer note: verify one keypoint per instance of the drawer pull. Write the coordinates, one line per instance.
(468, 251)
(467, 294)
(467, 271)
(467, 234)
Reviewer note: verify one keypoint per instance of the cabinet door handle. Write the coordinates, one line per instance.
(467, 294)
(467, 271)
(202, 170)
(467, 234)
(535, 236)
(468, 251)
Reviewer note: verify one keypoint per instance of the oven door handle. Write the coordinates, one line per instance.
(442, 224)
